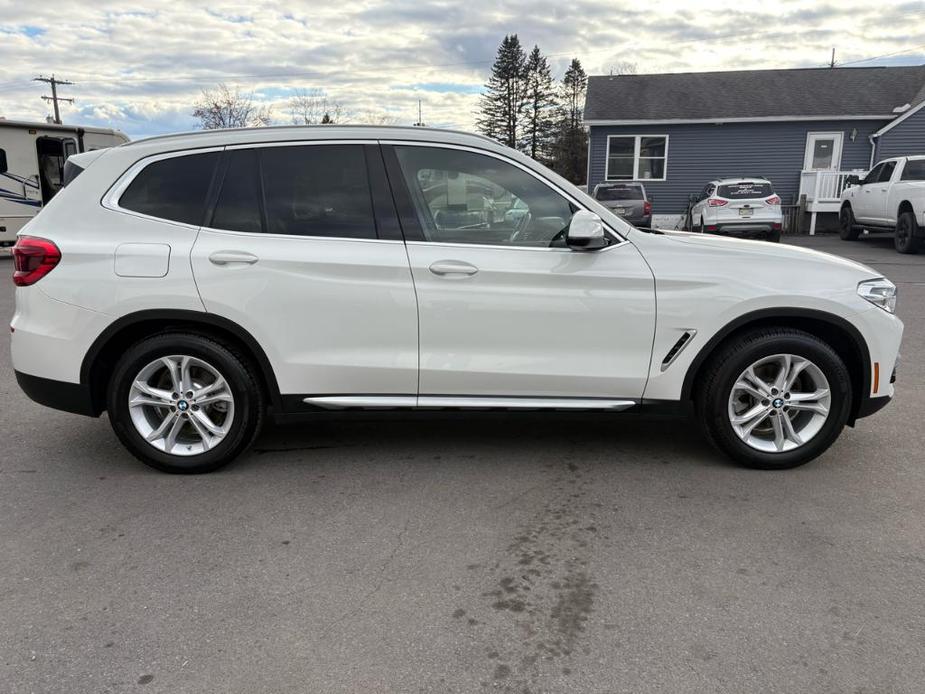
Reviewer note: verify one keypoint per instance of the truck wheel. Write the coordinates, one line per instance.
(184, 403)
(774, 398)
(905, 239)
(847, 229)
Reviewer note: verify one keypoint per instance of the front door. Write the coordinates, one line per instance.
(295, 255)
(506, 309)
(823, 151)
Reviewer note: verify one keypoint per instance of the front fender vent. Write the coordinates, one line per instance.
(677, 348)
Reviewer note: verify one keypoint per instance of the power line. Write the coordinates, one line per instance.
(54, 98)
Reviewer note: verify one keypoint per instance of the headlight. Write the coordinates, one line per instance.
(880, 292)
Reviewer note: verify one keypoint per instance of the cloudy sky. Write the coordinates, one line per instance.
(140, 68)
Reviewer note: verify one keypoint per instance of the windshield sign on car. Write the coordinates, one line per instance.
(746, 189)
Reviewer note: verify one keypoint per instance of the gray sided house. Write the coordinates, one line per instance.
(806, 129)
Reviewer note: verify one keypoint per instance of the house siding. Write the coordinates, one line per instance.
(699, 152)
(903, 139)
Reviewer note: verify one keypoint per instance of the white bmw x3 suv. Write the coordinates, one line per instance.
(192, 285)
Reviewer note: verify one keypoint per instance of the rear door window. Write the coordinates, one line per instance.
(914, 170)
(745, 190)
(174, 189)
(317, 190)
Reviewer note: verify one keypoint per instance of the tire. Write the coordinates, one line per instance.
(774, 236)
(205, 436)
(905, 239)
(720, 398)
(702, 225)
(847, 229)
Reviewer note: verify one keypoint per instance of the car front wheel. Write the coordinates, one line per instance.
(184, 403)
(847, 229)
(775, 398)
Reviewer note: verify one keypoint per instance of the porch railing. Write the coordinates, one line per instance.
(824, 186)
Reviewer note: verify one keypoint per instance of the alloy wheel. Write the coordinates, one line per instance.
(181, 405)
(779, 403)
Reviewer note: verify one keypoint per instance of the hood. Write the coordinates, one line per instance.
(772, 251)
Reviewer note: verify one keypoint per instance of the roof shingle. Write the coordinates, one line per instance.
(806, 92)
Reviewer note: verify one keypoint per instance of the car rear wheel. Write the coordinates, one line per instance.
(184, 403)
(847, 228)
(905, 239)
(774, 398)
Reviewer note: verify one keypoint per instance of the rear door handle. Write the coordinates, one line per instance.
(452, 267)
(229, 257)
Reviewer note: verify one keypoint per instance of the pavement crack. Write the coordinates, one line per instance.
(379, 582)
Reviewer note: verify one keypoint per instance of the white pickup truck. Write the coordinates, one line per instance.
(891, 197)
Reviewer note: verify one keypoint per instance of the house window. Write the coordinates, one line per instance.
(637, 157)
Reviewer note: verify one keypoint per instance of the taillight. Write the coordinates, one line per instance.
(716, 202)
(647, 208)
(33, 258)
(773, 200)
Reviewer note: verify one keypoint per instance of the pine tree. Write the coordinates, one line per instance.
(501, 107)
(570, 158)
(539, 121)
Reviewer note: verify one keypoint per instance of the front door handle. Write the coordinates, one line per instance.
(452, 267)
(229, 257)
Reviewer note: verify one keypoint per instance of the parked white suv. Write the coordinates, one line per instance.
(192, 284)
(891, 197)
(746, 207)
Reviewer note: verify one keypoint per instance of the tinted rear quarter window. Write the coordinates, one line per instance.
(317, 190)
(174, 189)
(619, 193)
(914, 170)
(744, 190)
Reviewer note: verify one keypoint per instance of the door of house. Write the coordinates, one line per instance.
(823, 151)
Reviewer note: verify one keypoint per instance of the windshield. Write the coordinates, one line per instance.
(623, 192)
(745, 189)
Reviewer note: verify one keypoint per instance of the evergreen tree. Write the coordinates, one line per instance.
(570, 158)
(539, 121)
(501, 107)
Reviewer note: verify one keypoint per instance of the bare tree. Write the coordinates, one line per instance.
(227, 107)
(370, 117)
(312, 106)
(623, 67)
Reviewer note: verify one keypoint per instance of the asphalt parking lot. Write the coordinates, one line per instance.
(514, 555)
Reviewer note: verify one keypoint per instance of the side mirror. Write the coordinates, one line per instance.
(3, 167)
(693, 197)
(585, 232)
(650, 197)
(852, 180)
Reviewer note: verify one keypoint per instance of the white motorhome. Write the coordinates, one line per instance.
(32, 157)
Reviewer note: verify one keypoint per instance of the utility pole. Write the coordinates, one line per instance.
(54, 98)
(832, 63)
(420, 123)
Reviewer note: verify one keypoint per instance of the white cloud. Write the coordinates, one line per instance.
(141, 70)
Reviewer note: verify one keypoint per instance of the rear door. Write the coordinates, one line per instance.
(506, 309)
(302, 250)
